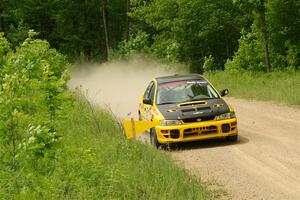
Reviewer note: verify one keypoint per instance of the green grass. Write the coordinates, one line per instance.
(283, 87)
(96, 162)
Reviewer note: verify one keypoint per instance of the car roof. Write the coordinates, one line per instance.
(176, 77)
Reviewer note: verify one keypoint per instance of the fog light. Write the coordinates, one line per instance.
(174, 134)
(225, 128)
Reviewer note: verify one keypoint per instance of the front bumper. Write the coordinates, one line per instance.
(196, 131)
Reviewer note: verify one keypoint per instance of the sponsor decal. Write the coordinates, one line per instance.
(197, 113)
(180, 83)
(172, 84)
(171, 110)
(196, 82)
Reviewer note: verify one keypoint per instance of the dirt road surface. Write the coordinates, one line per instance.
(263, 164)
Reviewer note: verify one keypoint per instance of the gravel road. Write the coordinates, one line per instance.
(263, 164)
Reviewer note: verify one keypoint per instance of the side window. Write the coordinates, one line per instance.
(151, 95)
(148, 90)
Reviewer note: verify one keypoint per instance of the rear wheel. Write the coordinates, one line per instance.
(232, 138)
(153, 138)
(140, 116)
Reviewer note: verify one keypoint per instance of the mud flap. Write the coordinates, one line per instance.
(133, 128)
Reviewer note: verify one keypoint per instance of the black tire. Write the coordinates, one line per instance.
(232, 138)
(153, 138)
(140, 116)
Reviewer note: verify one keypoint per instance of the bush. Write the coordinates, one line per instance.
(4, 46)
(249, 55)
(32, 87)
(209, 64)
(293, 57)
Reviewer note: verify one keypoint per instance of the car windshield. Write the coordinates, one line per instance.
(183, 91)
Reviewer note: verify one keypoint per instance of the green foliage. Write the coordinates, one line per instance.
(282, 31)
(4, 46)
(293, 56)
(34, 55)
(175, 30)
(249, 55)
(74, 27)
(16, 34)
(39, 140)
(55, 145)
(166, 48)
(284, 26)
(92, 163)
(32, 84)
(139, 43)
(187, 31)
(283, 87)
(209, 64)
(12, 116)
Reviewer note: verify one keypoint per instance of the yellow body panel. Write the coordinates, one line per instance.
(199, 131)
(134, 128)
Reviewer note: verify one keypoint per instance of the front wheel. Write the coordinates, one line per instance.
(232, 138)
(153, 138)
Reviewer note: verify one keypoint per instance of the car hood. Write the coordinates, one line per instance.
(200, 110)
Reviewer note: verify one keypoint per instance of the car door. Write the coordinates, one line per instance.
(146, 109)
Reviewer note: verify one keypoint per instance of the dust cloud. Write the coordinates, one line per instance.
(118, 84)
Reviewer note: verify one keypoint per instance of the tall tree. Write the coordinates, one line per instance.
(105, 23)
(190, 30)
(254, 52)
(1, 20)
(80, 29)
(127, 19)
(284, 33)
(264, 31)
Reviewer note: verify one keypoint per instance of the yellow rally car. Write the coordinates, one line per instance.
(186, 108)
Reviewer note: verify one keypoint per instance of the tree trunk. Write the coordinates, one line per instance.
(264, 32)
(105, 25)
(226, 31)
(127, 19)
(1, 22)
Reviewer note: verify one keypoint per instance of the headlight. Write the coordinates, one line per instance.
(225, 116)
(170, 122)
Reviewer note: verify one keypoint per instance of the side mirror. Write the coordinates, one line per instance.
(147, 101)
(224, 92)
